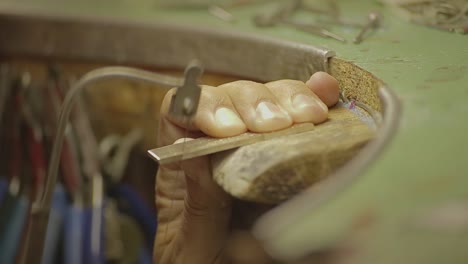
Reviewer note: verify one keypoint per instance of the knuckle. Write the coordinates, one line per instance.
(213, 97)
(241, 84)
(286, 84)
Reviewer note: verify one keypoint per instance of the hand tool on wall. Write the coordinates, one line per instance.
(5, 89)
(51, 96)
(135, 206)
(70, 166)
(129, 201)
(31, 114)
(12, 229)
(94, 243)
(12, 200)
(89, 206)
(74, 234)
(3, 188)
(184, 106)
(42, 238)
(14, 210)
(114, 152)
(55, 226)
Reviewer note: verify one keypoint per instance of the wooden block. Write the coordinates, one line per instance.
(274, 170)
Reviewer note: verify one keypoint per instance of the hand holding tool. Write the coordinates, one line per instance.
(184, 103)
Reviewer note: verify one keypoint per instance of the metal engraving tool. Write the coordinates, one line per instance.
(184, 102)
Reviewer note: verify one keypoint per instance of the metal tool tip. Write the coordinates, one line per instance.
(195, 66)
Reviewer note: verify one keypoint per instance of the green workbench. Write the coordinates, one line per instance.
(422, 169)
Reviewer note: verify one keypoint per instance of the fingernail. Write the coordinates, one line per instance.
(322, 105)
(225, 117)
(302, 101)
(269, 111)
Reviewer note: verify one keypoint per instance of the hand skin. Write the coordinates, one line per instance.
(193, 211)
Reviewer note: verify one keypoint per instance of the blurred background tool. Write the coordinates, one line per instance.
(320, 17)
(374, 20)
(5, 89)
(448, 15)
(138, 227)
(76, 230)
(184, 104)
(14, 209)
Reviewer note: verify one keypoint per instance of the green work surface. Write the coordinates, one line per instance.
(424, 165)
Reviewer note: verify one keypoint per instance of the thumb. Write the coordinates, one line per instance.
(203, 193)
(207, 213)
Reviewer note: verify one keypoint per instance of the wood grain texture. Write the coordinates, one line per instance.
(272, 171)
(356, 83)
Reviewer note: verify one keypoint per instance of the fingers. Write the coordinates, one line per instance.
(206, 215)
(193, 213)
(233, 108)
(193, 210)
(216, 115)
(325, 86)
(203, 192)
(300, 102)
(258, 106)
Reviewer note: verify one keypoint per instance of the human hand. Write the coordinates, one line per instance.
(193, 211)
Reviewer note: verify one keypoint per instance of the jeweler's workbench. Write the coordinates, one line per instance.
(390, 215)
